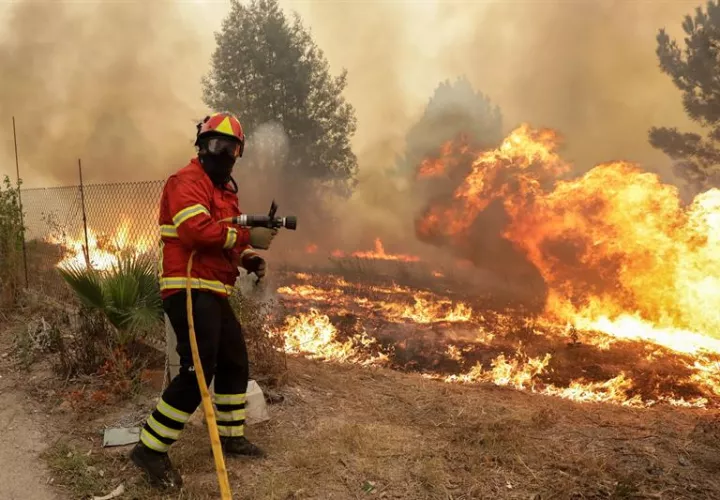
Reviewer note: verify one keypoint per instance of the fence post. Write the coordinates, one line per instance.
(22, 215)
(84, 215)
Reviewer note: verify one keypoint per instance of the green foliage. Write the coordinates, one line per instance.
(454, 110)
(267, 69)
(128, 294)
(11, 238)
(696, 72)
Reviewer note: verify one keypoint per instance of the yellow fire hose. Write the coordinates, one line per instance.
(222, 474)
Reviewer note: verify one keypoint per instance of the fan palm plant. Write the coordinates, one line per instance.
(127, 294)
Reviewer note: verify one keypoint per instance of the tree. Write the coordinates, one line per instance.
(268, 71)
(454, 109)
(696, 72)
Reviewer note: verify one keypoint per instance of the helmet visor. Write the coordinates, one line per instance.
(225, 145)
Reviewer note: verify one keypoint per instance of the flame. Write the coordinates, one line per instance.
(447, 161)
(313, 335)
(377, 254)
(311, 248)
(104, 251)
(425, 309)
(514, 372)
(615, 247)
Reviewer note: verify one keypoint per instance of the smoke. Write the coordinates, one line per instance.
(587, 69)
(118, 84)
(106, 82)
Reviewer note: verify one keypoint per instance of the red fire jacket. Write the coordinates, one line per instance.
(190, 208)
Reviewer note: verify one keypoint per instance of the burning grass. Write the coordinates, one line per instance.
(464, 339)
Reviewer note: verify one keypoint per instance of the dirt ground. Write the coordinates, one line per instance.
(347, 432)
(24, 439)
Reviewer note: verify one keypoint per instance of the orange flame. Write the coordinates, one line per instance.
(377, 254)
(615, 247)
(104, 251)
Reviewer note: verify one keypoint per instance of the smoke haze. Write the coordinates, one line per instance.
(118, 84)
(107, 81)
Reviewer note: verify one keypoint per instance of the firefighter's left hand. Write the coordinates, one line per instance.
(253, 263)
(261, 237)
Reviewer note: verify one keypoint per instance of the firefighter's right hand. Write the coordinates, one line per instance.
(261, 237)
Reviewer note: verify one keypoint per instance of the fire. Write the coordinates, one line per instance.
(631, 277)
(504, 372)
(377, 254)
(630, 272)
(104, 251)
(615, 247)
(313, 335)
(425, 309)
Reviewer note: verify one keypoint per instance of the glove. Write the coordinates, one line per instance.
(253, 263)
(261, 237)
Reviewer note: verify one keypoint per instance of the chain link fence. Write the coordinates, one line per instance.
(93, 223)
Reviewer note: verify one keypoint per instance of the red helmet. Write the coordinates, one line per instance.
(219, 125)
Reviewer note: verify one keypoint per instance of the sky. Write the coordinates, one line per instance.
(118, 83)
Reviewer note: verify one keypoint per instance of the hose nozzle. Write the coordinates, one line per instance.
(269, 221)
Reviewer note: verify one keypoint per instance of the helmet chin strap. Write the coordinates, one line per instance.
(234, 189)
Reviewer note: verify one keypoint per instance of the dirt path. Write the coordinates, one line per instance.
(24, 475)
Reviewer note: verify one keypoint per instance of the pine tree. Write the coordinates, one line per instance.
(269, 71)
(454, 109)
(696, 72)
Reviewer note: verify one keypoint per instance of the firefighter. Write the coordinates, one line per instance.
(194, 199)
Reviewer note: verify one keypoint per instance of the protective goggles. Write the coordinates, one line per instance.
(225, 145)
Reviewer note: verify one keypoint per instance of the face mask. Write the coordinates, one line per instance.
(218, 167)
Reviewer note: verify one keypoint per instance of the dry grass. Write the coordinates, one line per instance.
(345, 432)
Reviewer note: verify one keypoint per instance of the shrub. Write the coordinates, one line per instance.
(128, 295)
(118, 307)
(11, 239)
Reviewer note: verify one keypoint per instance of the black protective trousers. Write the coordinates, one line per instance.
(223, 355)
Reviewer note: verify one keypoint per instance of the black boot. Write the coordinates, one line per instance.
(156, 466)
(240, 446)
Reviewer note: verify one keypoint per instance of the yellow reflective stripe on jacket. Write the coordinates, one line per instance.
(162, 257)
(178, 283)
(229, 399)
(231, 238)
(168, 231)
(189, 212)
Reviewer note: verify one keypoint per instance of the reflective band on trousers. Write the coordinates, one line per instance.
(152, 442)
(163, 430)
(230, 399)
(189, 212)
(230, 416)
(196, 283)
(231, 430)
(172, 413)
